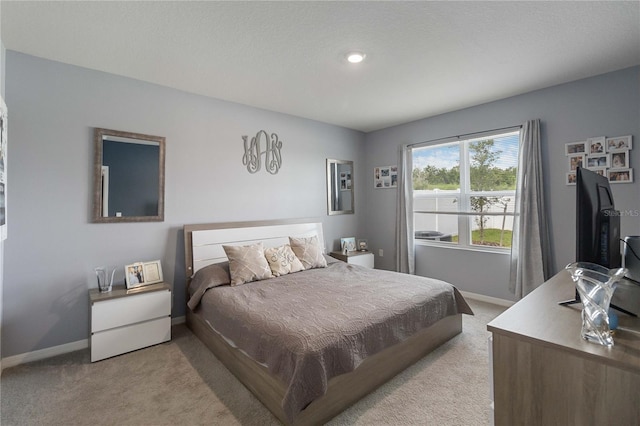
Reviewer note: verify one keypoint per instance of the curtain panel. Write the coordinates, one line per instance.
(530, 247)
(405, 253)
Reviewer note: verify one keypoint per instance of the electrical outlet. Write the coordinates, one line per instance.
(380, 253)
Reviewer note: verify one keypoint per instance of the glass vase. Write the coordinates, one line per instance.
(595, 285)
(105, 282)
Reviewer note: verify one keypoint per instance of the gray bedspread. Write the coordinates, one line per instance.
(310, 326)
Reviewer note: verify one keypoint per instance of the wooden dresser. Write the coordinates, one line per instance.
(544, 373)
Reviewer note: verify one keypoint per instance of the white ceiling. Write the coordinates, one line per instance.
(423, 58)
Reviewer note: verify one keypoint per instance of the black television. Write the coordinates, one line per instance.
(597, 223)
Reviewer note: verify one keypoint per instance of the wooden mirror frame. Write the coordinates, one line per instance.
(99, 135)
(330, 188)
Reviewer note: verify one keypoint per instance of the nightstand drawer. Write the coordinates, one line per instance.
(106, 344)
(362, 258)
(132, 309)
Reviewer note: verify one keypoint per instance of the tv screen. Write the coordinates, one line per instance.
(597, 221)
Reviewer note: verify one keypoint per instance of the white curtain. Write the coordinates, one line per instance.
(530, 250)
(405, 257)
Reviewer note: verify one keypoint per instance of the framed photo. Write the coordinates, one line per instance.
(597, 160)
(575, 148)
(620, 160)
(385, 177)
(134, 275)
(152, 272)
(620, 143)
(349, 243)
(571, 178)
(575, 161)
(596, 145)
(345, 181)
(362, 245)
(620, 175)
(602, 171)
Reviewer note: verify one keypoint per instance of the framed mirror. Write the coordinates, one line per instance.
(128, 177)
(340, 187)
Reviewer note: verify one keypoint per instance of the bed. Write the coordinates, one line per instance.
(316, 338)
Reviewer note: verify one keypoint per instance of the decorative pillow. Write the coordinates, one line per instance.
(208, 277)
(247, 263)
(309, 251)
(282, 260)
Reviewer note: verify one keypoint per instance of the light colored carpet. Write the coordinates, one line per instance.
(181, 382)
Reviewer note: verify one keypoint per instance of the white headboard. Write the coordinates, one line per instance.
(203, 242)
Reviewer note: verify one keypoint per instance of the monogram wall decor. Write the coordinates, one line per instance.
(253, 153)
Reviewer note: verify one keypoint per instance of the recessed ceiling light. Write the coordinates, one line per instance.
(355, 57)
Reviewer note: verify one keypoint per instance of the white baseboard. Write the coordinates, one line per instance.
(487, 299)
(14, 360)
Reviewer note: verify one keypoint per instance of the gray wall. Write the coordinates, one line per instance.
(606, 105)
(2, 74)
(53, 247)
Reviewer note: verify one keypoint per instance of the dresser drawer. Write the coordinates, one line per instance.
(108, 343)
(132, 309)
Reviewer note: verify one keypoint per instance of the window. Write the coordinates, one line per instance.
(464, 191)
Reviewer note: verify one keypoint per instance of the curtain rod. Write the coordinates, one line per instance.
(465, 135)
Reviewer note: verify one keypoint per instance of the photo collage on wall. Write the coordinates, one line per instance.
(606, 156)
(385, 177)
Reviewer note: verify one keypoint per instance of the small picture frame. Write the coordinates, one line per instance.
(597, 160)
(349, 243)
(575, 148)
(362, 245)
(620, 175)
(602, 171)
(596, 145)
(345, 181)
(575, 161)
(618, 144)
(385, 177)
(619, 160)
(152, 272)
(571, 178)
(134, 275)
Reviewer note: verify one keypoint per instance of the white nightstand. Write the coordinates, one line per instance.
(362, 258)
(125, 320)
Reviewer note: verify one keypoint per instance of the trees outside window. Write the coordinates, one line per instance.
(464, 191)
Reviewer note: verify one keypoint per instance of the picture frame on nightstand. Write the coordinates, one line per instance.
(152, 272)
(134, 275)
(348, 243)
(362, 245)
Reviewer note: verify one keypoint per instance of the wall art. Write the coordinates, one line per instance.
(575, 148)
(253, 152)
(385, 177)
(607, 156)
